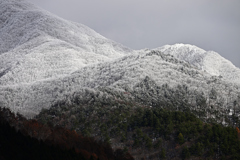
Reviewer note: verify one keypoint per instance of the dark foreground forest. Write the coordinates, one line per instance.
(77, 132)
(148, 132)
(23, 139)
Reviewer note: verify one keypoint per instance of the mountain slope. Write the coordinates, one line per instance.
(122, 75)
(35, 44)
(45, 60)
(208, 61)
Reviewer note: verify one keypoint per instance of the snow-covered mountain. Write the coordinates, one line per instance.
(125, 74)
(208, 61)
(45, 59)
(35, 45)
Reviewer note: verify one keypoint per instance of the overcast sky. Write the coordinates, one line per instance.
(137, 24)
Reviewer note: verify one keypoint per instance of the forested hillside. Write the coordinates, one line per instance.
(29, 139)
(148, 132)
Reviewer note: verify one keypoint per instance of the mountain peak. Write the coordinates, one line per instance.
(182, 45)
(184, 49)
(208, 61)
(37, 45)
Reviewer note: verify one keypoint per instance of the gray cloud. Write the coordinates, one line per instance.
(211, 25)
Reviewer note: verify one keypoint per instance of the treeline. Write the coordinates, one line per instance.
(29, 139)
(148, 132)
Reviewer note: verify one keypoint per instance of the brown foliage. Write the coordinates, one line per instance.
(85, 154)
(238, 131)
(120, 155)
(63, 138)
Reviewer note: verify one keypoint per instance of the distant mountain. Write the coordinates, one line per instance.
(45, 60)
(208, 61)
(36, 45)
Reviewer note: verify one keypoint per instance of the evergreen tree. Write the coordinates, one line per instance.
(180, 138)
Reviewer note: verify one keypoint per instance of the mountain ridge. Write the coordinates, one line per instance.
(208, 61)
(33, 38)
(52, 59)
